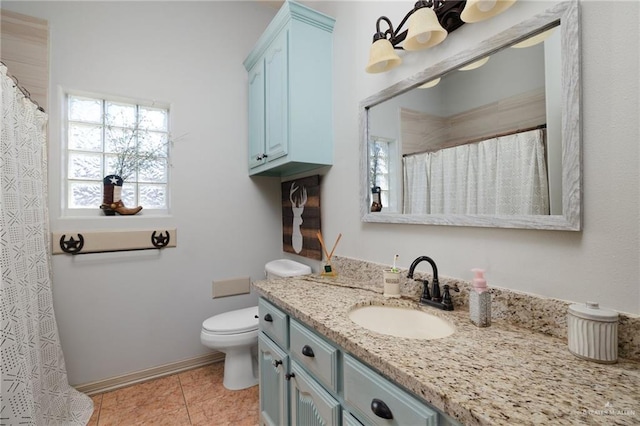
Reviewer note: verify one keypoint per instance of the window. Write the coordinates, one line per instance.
(382, 169)
(107, 137)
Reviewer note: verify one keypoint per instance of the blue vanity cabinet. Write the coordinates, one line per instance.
(290, 93)
(289, 395)
(321, 384)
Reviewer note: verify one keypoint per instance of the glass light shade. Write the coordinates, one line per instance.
(382, 57)
(430, 83)
(424, 30)
(474, 65)
(536, 39)
(479, 10)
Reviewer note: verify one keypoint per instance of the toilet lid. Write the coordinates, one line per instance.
(238, 321)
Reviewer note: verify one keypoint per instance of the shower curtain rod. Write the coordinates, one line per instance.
(480, 139)
(24, 91)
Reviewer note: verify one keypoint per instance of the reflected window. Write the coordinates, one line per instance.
(382, 170)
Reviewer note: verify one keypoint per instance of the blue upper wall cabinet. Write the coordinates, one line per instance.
(290, 93)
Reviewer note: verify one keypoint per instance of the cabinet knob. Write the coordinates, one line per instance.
(381, 409)
(289, 376)
(277, 362)
(307, 351)
(268, 318)
(259, 157)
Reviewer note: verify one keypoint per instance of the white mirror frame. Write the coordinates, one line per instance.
(566, 14)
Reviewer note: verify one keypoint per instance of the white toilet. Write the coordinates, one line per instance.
(235, 333)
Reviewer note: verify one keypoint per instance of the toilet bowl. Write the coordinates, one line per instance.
(235, 333)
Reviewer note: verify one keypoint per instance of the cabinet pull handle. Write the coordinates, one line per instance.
(381, 409)
(277, 362)
(307, 351)
(289, 376)
(264, 155)
(268, 318)
(259, 157)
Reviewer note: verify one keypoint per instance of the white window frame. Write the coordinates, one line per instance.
(66, 211)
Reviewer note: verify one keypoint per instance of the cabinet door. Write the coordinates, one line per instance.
(256, 115)
(277, 97)
(310, 404)
(273, 364)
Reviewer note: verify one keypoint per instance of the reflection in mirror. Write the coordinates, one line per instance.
(487, 138)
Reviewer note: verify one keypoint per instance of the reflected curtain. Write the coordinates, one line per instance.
(500, 176)
(35, 389)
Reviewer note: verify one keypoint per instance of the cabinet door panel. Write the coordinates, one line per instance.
(310, 404)
(277, 97)
(273, 363)
(256, 115)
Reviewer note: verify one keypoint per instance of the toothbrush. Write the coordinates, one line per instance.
(394, 269)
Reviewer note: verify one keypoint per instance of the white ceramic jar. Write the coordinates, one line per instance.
(593, 333)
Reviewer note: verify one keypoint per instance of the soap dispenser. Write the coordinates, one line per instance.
(480, 300)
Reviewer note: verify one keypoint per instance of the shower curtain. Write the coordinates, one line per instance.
(505, 176)
(35, 390)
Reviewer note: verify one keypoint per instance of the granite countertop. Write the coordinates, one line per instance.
(500, 375)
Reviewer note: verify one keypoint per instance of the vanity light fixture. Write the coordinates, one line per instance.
(474, 65)
(429, 23)
(430, 83)
(479, 10)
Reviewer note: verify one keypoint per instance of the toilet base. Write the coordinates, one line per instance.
(239, 369)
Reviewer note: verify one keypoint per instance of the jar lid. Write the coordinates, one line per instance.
(592, 311)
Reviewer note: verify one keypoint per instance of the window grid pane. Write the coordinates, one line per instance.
(101, 136)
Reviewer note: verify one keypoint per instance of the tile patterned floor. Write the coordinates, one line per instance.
(195, 397)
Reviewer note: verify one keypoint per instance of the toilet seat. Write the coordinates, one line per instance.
(233, 322)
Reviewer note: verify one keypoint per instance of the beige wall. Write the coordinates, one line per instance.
(24, 49)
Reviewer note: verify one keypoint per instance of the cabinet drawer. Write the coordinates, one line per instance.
(318, 356)
(366, 391)
(274, 323)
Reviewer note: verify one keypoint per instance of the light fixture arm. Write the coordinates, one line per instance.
(395, 37)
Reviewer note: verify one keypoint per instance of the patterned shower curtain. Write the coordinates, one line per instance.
(35, 390)
(504, 176)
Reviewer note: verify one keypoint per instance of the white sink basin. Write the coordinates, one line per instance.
(401, 322)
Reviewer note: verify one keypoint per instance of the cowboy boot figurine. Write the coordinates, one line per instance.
(111, 200)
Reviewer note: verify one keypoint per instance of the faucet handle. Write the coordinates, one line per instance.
(446, 296)
(454, 288)
(425, 290)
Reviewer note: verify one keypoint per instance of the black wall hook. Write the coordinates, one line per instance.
(71, 245)
(160, 240)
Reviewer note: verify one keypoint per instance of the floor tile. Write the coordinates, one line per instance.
(97, 403)
(229, 408)
(194, 397)
(165, 389)
(213, 372)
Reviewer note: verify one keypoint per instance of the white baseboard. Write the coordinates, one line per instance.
(129, 379)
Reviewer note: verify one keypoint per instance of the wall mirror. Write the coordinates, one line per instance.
(490, 137)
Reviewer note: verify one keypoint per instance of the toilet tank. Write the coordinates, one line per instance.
(282, 268)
